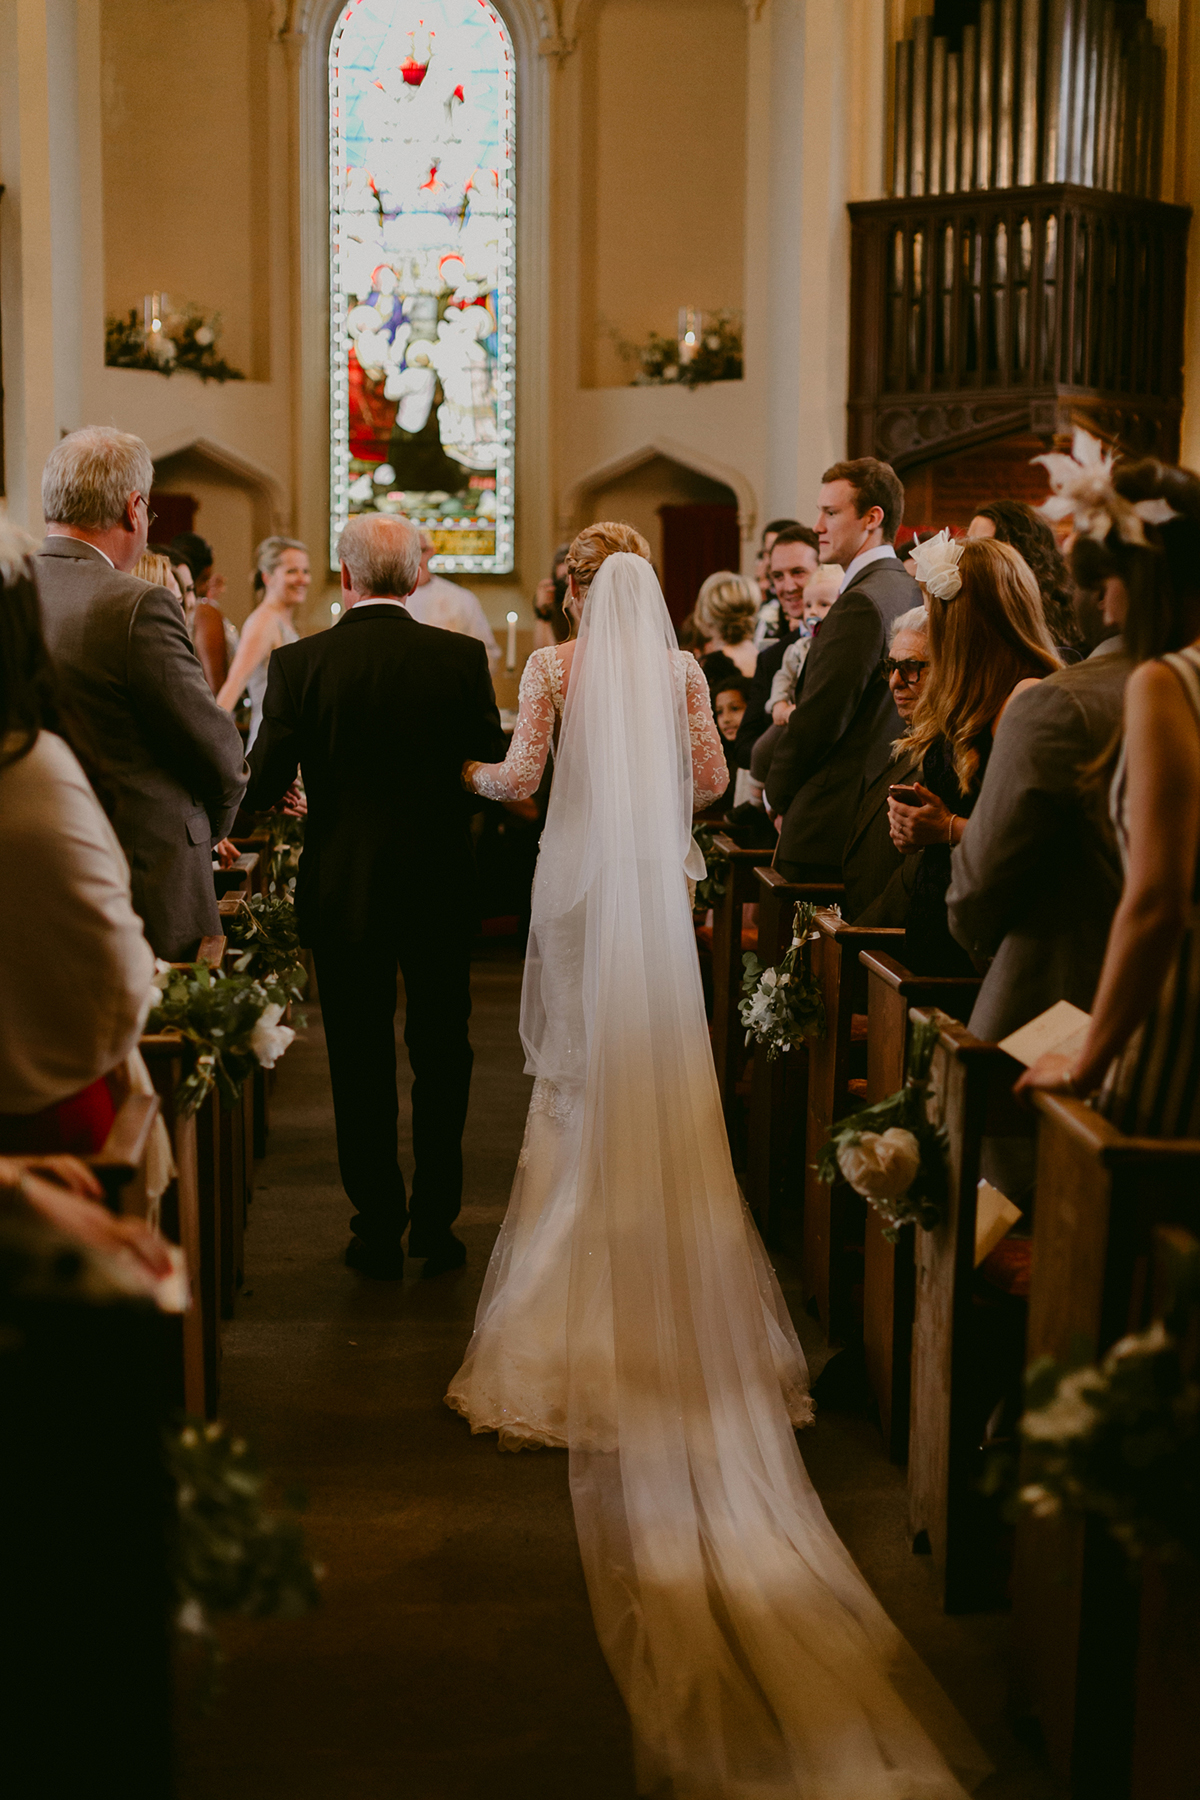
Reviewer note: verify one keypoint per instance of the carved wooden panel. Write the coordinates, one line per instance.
(995, 315)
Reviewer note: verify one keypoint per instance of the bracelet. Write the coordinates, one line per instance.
(950, 830)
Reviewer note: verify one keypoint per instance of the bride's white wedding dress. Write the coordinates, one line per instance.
(629, 1312)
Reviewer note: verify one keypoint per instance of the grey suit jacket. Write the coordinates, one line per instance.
(844, 718)
(871, 859)
(1037, 876)
(129, 674)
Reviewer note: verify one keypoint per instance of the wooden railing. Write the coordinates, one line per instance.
(976, 316)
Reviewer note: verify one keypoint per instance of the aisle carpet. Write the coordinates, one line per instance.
(453, 1656)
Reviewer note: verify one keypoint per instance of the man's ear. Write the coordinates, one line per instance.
(129, 520)
(347, 586)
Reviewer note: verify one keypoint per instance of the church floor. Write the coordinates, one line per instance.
(453, 1657)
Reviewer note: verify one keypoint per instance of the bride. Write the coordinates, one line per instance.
(629, 1312)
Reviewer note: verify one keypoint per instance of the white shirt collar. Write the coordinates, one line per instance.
(378, 600)
(862, 559)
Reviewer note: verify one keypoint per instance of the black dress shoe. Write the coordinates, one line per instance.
(444, 1253)
(380, 1265)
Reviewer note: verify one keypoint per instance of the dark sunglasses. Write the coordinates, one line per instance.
(909, 671)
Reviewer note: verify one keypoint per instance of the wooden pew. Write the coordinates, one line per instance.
(955, 1335)
(1100, 1196)
(889, 1269)
(833, 1216)
(166, 1058)
(728, 1032)
(120, 1163)
(777, 1089)
(237, 879)
(258, 1096)
(259, 846)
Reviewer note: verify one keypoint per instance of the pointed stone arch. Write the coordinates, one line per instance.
(671, 450)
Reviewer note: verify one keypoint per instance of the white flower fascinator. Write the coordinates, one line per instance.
(935, 564)
(1084, 491)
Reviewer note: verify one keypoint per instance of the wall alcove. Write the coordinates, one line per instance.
(689, 519)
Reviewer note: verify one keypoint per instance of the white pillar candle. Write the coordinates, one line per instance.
(510, 661)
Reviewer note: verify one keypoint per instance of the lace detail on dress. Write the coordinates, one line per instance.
(710, 776)
(540, 701)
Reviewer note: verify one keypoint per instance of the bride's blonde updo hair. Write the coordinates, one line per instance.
(595, 543)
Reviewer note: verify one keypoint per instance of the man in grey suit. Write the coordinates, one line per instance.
(1037, 876)
(844, 719)
(130, 676)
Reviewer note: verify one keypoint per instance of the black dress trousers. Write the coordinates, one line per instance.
(358, 1006)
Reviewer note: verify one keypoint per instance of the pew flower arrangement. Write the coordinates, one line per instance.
(230, 1554)
(233, 1020)
(783, 1006)
(714, 881)
(285, 840)
(264, 930)
(1121, 1439)
(890, 1153)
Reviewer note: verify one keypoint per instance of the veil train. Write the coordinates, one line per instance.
(754, 1660)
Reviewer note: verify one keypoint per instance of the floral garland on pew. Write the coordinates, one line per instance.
(230, 1555)
(285, 841)
(890, 1153)
(264, 930)
(714, 861)
(232, 1019)
(1121, 1439)
(783, 1006)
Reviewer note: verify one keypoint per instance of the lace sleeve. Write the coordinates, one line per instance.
(710, 777)
(519, 774)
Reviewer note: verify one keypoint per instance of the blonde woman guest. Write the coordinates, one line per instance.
(281, 578)
(154, 566)
(727, 612)
(988, 642)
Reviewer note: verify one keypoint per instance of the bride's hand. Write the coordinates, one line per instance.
(468, 775)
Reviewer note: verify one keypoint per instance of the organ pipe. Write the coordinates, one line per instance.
(1040, 90)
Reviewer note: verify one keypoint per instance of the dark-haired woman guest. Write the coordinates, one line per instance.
(1013, 522)
(75, 967)
(988, 641)
(1143, 1044)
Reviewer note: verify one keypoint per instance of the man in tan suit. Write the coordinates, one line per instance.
(131, 678)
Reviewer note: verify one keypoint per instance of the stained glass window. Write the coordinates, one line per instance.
(422, 268)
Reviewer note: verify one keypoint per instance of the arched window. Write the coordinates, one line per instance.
(422, 273)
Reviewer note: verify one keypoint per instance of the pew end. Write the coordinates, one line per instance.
(957, 1357)
(889, 1269)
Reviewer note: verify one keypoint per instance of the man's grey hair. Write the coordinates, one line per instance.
(382, 554)
(915, 623)
(90, 475)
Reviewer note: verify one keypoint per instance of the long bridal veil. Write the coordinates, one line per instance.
(753, 1659)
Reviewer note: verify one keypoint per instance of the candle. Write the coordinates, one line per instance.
(691, 324)
(510, 661)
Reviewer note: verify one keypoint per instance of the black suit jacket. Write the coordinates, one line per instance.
(870, 858)
(380, 713)
(844, 717)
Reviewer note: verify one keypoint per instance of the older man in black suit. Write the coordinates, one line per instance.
(844, 717)
(130, 676)
(380, 714)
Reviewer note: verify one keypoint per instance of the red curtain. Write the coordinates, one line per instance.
(697, 541)
(173, 515)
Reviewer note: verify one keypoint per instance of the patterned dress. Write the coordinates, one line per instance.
(1153, 1087)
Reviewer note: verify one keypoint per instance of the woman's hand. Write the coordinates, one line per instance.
(913, 827)
(65, 1208)
(468, 775)
(1050, 1074)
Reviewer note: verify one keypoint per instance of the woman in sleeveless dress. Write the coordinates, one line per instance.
(629, 1312)
(988, 642)
(1142, 1051)
(281, 578)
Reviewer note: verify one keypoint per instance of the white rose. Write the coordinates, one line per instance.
(1070, 1414)
(204, 336)
(270, 1039)
(881, 1166)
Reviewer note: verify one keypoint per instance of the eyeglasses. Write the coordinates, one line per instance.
(150, 516)
(909, 671)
